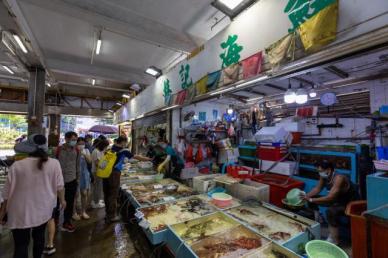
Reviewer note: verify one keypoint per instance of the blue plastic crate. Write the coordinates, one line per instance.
(382, 152)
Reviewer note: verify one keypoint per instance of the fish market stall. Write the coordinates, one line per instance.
(159, 216)
(283, 227)
(157, 192)
(219, 235)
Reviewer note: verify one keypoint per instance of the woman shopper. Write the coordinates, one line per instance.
(97, 194)
(84, 182)
(30, 193)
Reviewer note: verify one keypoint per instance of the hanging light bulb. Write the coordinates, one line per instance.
(312, 92)
(230, 111)
(301, 95)
(289, 95)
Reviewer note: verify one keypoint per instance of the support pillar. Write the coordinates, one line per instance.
(54, 130)
(36, 100)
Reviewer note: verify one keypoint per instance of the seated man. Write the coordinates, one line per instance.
(341, 192)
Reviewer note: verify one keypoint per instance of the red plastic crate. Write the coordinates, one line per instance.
(237, 171)
(271, 153)
(279, 186)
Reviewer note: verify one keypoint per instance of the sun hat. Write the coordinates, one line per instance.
(34, 142)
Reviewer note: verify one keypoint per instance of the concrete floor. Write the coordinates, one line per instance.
(93, 238)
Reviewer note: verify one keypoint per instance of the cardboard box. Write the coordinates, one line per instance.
(249, 190)
(228, 155)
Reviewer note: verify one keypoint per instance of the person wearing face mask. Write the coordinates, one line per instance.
(69, 158)
(176, 161)
(341, 191)
(111, 185)
(84, 182)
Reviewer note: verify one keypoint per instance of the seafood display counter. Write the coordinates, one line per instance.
(138, 173)
(159, 216)
(157, 192)
(220, 236)
(285, 228)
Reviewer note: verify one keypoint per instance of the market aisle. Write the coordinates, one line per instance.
(91, 239)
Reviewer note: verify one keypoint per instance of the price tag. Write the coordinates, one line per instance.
(158, 186)
(139, 215)
(144, 224)
(243, 172)
(168, 198)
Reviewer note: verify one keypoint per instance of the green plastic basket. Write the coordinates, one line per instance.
(324, 249)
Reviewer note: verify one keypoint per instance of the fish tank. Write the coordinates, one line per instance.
(175, 212)
(283, 227)
(164, 190)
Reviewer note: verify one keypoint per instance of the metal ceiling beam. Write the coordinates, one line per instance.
(335, 70)
(117, 19)
(257, 92)
(85, 85)
(98, 72)
(18, 108)
(302, 80)
(273, 86)
(242, 99)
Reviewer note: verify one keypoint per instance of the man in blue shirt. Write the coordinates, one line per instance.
(111, 185)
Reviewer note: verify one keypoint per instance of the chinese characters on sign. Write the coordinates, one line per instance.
(231, 54)
(166, 91)
(184, 74)
(299, 11)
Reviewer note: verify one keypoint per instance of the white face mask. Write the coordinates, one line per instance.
(81, 147)
(323, 175)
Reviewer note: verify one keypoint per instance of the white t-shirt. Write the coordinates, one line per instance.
(96, 156)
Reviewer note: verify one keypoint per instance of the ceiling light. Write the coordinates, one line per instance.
(6, 43)
(126, 96)
(289, 95)
(20, 43)
(167, 108)
(110, 111)
(222, 91)
(301, 95)
(312, 93)
(48, 84)
(98, 47)
(8, 69)
(152, 70)
(232, 8)
(119, 104)
(229, 111)
(93, 82)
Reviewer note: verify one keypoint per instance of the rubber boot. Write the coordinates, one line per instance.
(333, 235)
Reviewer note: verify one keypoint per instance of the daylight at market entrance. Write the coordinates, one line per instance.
(194, 128)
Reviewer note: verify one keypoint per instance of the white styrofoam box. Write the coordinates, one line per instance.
(203, 184)
(293, 126)
(249, 190)
(283, 168)
(187, 173)
(272, 134)
(228, 155)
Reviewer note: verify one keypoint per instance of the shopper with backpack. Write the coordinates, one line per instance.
(69, 158)
(97, 154)
(111, 184)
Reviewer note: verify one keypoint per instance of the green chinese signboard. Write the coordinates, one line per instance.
(231, 54)
(299, 11)
(166, 91)
(184, 73)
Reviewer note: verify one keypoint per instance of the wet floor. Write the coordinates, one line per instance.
(93, 238)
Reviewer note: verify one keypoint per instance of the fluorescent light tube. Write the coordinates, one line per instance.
(20, 43)
(141, 116)
(93, 82)
(119, 104)
(231, 4)
(98, 47)
(8, 69)
(153, 71)
(126, 96)
(222, 91)
(167, 108)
